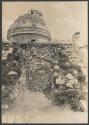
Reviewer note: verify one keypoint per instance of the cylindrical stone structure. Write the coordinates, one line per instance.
(27, 28)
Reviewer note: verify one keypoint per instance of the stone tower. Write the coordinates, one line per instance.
(29, 27)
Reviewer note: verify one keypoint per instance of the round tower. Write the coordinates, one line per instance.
(27, 28)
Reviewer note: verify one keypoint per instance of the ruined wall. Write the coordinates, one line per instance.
(40, 61)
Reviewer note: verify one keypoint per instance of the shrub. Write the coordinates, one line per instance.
(62, 96)
(9, 82)
(68, 96)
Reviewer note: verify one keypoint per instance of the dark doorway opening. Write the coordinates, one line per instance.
(33, 40)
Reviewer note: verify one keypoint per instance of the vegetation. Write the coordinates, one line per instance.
(60, 95)
(10, 64)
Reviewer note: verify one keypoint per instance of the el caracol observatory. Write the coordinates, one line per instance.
(29, 27)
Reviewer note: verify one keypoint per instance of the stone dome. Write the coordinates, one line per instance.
(29, 27)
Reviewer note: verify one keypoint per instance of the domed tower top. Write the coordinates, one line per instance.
(29, 27)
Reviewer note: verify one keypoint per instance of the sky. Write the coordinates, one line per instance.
(63, 19)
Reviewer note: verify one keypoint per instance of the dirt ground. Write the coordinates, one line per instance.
(34, 107)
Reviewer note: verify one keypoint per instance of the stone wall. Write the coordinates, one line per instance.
(40, 61)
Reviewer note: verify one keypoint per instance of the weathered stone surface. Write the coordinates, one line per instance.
(29, 27)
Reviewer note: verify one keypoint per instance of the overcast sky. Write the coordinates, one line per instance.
(62, 18)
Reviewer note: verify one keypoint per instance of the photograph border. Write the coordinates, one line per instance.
(1, 53)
